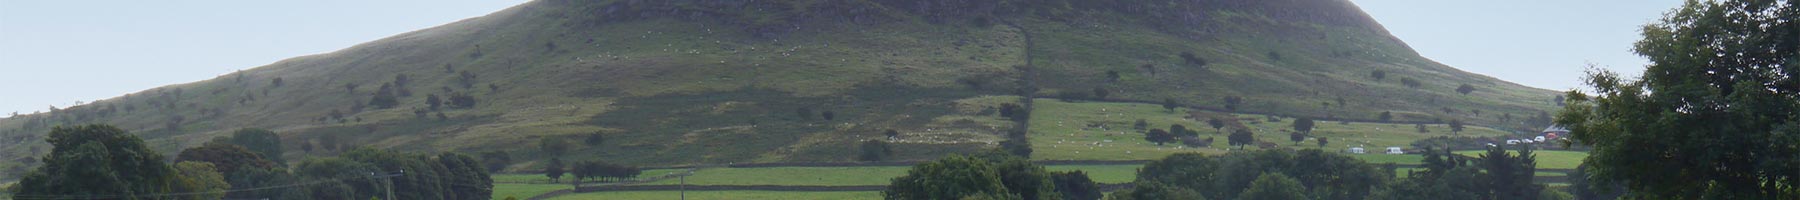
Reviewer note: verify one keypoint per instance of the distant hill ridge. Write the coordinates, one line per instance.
(716, 81)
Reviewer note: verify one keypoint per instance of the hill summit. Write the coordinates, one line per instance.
(681, 82)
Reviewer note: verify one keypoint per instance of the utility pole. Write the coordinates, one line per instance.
(389, 180)
(684, 187)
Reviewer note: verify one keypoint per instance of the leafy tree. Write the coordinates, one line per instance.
(1456, 126)
(433, 101)
(1713, 116)
(828, 115)
(1465, 89)
(226, 158)
(460, 100)
(1028, 181)
(1111, 76)
(1169, 104)
(1240, 137)
(264, 142)
(200, 180)
(1140, 125)
(1323, 141)
(1075, 185)
(467, 179)
(1182, 131)
(276, 82)
(890, 133)
(1157, 191)
(1303, 125)
(554, 169)
(1158, 136)
(1274, 186)
(1584, 187)
(1192, 60)
(1422, 128)
(554, 146)
(1386, 116)
(1559, 100)
(1378, 74)
(272, 178)
(947, 178)
(384, 99)
(1297, 137)
(1410, 83)
(1217, 125)
(336, 177)
(96, 159)
(874, 150)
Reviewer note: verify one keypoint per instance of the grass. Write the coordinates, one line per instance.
(1103, 131)
(540, 178)
(522, 191)
(1547, 159)
(732, 195)
(1102, 173)
(1402, 159)
(814, 176)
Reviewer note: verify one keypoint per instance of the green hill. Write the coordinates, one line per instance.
(706, 82)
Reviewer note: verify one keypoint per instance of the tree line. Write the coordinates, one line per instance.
(104, 162)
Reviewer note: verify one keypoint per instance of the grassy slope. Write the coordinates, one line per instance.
(734, 195)
(1060, 132)
(739, 86)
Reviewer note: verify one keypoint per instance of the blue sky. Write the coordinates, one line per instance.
(60, 52)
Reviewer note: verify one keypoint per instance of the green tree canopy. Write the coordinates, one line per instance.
(1274, 186)
(1713, 117)
(96, 160)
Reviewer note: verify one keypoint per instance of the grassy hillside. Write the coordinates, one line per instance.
(709, 82)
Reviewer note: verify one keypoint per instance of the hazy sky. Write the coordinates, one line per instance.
(60, 52)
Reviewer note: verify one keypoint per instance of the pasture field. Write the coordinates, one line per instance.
(732, 195)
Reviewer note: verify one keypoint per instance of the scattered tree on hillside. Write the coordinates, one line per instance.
(554, 169)
(1112, 76)
(276, 82)
(1378, 74)
(874, 150)
(1456, 126)
(1297, 137)
(1558, 100)
(1140, 125)
(1169, 104)
(890, 133)
(1196, 141)
(1303, 125)
(1100, 93)
(1158, 136)
(1386, 116)
(350, 88)
(433, 101)
(1217, 125)
(1274, 56)
(1421, 128)
(461, 100)
(1323, 141)
(1410, 83)
(1192, 60)
(1240, 137)
(1182, 131)
(1014, 112)
(1465, 89)
(828, 115)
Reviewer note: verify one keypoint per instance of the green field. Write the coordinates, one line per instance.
(1102, 173)
(1402, 159)
(1548, 159)
(733, 195)
(540, 178)
(1103, 131)
(522, 191)
(815, 176)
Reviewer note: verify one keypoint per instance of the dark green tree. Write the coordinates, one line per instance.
(1140, 125)
(1157, 191)
(433, 101)
(1217, 125)
(494, 161)
(1378, 74)
(96, 160)
(264, 142)
(553, 146)
(952, 177)
(554, 169)
(594, 139)
(1169, 104)
(1386, 116)
(1240, 137)
(1075, 185)
(1274, 186)
(1465, 89)
(1304, 125)
(1100, 93)
(1456, 126)
(226, 158)
(1159, 136)
(1713, 116)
